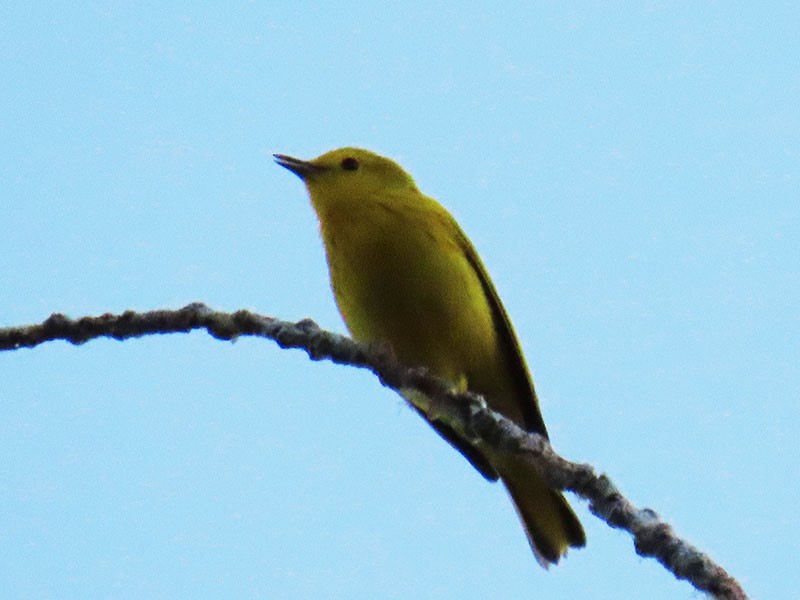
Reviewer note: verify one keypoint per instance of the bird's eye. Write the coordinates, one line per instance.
(349, 164)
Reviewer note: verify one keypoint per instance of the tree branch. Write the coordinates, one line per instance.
(466, 413)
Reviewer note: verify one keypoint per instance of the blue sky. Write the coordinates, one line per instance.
(630, 174)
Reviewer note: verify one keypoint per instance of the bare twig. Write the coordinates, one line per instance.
(466, 413)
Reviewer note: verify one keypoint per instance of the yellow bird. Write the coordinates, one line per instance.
(405, 276)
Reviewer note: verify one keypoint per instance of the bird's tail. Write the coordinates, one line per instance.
(550, 524)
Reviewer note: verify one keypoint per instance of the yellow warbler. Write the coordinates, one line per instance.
(405, 276)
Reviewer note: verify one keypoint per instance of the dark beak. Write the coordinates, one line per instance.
(303, 169)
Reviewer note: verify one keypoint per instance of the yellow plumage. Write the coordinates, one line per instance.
(405, 275)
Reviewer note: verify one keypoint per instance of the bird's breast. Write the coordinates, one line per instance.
(402, 279)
